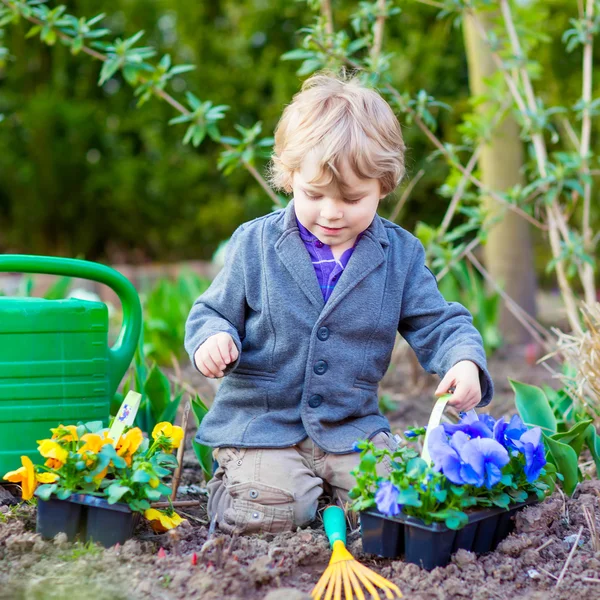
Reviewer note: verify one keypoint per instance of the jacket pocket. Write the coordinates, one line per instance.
(246, 373)
(366, 385)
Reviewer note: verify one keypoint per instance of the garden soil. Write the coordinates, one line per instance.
(553, 553)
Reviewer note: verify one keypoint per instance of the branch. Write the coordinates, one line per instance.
(587, 279)
(378, 30)
(535, 329)
(327, 14)
(406, 194)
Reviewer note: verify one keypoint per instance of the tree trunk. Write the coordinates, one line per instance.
(508, 252)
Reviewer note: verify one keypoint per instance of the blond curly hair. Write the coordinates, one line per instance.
(341, 120)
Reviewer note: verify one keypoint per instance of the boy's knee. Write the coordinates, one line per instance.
(254, 507)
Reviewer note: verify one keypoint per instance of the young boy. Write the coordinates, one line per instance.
(303, 316)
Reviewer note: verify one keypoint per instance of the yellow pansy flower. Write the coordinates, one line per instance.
(50, 449)
(46, 477)
(24, 475)
(129, 443)
(93, 444)
(162, 521)
(53, 463)
(173, 432)
(65, 433)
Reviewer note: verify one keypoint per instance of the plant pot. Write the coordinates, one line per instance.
(88, 517)
(56, 516)
(431, 546)
(108, 524)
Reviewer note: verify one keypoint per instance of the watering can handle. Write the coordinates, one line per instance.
(434, 421)
(121, 353)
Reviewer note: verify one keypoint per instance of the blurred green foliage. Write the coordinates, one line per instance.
(82, 172)
(166, 308)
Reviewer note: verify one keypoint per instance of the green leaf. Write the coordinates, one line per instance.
(63, 494)
(204, 456)
(141, 477)
(565, 460)
(409, 497)
(109, 68)
(575, 437)
(170, 411)
(116, 492)
(158, 391)
(415, 468)
(533, 406)
(152, 494)
(46, 490)
(592, 441)
(59, 289)
(502, 500)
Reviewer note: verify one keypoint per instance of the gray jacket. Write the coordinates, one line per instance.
(306, 367)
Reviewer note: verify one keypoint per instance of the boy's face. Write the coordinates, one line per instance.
(334, 220)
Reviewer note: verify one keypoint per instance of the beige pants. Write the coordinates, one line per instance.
(277, 489)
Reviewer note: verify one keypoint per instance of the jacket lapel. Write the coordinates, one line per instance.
(292, 252)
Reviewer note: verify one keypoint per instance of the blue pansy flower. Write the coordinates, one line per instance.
(486, 457)
(463, 460)
(386, 499)
(532, 447)
(508, 433)
(470, 424)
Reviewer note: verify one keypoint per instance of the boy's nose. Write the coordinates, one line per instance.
(331, 211)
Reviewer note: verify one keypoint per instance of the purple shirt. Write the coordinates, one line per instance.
(327, 268)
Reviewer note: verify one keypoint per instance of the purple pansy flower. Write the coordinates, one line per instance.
(532, 447)
(463, 460)
(386, 499)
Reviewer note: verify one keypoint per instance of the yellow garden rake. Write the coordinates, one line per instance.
(345, 574)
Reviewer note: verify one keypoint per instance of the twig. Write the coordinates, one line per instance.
(590, 579)
(405, 194)
(175, 504)
(180, 450)
(531, 325)
(378, 30)
(327, 15)
(564, 569)
(193, 518)
(544, 545)
(590, 519)
(548, 573)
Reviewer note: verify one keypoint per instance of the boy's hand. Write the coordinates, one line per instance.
(464, 378)
(215, 354)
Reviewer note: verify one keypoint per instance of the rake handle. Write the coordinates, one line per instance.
(334, 520)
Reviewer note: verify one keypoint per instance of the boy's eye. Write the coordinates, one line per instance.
(348, 201)
(312, 197)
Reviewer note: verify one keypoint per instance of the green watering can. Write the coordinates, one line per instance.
(55, 362)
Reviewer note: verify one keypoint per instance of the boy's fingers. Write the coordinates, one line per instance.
(211, 366)
(233, 351)
(445, 384)
(223, 351)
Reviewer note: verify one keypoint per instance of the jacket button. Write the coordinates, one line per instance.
(315, 401)
(323, 333)
(320, 367)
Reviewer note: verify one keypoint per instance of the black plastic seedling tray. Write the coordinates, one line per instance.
(86, 517)
(431, 546)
